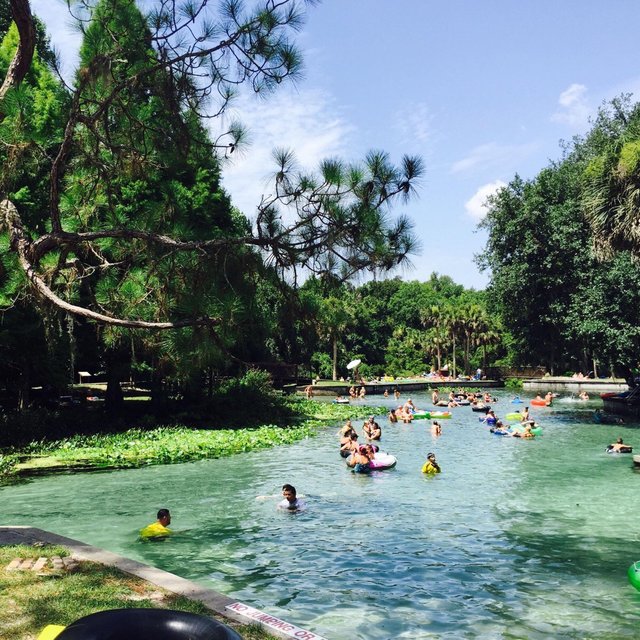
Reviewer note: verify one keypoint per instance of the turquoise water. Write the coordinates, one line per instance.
(515, 539)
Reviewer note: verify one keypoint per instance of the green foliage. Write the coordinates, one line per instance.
(172, 444)
(513, 383)
(559, 305)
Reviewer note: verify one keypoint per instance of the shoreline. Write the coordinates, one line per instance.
(216, 602)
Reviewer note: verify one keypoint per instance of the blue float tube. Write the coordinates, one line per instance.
(147, 624)
(516, 400)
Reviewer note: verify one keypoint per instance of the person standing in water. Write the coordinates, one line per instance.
(291, 501)
(431, 466)
(158, 529)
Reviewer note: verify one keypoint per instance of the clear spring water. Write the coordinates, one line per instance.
(515, 539)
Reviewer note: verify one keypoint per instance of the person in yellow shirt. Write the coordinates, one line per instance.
(431, 466)
(158, 529)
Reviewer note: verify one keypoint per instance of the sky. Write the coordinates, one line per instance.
(482, 90)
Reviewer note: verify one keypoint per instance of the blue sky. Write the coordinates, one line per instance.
(481, 89)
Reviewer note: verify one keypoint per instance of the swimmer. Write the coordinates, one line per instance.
(291, 502)
(619, 447)
(372, 429)
(350, 445)
(436, 429)
(360, 461)
(431, 466)
(159, 529)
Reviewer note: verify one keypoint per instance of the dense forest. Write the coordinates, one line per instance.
(122, 255)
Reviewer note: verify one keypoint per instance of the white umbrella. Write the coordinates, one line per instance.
(353, 364)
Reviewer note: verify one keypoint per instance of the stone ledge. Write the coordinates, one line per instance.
(213, 600)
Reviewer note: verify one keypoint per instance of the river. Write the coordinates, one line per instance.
(515, 539)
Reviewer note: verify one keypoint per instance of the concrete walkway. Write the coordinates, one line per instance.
(217, 602)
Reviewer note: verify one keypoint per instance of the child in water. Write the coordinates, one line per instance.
(431, 466)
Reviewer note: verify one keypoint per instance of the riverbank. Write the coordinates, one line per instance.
(74, 579)
(341, 388)
(167, 445)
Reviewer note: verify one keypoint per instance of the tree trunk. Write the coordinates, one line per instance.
(24, 392)
(113, 399)
(454, 355)
(335, 358)
(467, 348)
(158, 393)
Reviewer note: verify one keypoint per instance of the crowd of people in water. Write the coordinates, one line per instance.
(361, 457)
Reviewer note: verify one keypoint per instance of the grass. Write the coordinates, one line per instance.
(29, 601)
(167, 445)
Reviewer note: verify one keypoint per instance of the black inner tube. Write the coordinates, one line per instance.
(147, 624)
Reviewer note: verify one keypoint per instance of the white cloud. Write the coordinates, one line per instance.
(475, 206)
(304, 121)
(493, 155)
(414, 123)
(574, 107)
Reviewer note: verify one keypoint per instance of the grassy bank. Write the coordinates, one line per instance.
(31, 600)
(168, 444)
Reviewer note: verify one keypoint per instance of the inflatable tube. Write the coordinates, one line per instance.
(444, 415)
(537, 431)
(463, 403)
(147, 624)
(342, 401)
(634, 575)
(482, 409)
(539, 403)
(516, 400)
(50, 632)
(490, 421)
(422, 415)
(610, 449)
(500, 432)
(515, 415)
(382, 461)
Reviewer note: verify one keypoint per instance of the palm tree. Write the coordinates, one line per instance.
(334, 318)
(471, 319)
(454, 325)
(435, 340)
(433, 317)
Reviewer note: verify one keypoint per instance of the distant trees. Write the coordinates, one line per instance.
(402, 328)
(556, 248)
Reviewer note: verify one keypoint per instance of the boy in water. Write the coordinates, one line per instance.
(160, 528)
(431, 466)
(290, 502)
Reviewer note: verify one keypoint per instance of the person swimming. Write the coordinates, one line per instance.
(159, 529)
(291, 501)
(619, 447)
(360, 461)
(431, 466)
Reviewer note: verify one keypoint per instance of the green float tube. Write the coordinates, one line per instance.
(634, 574)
